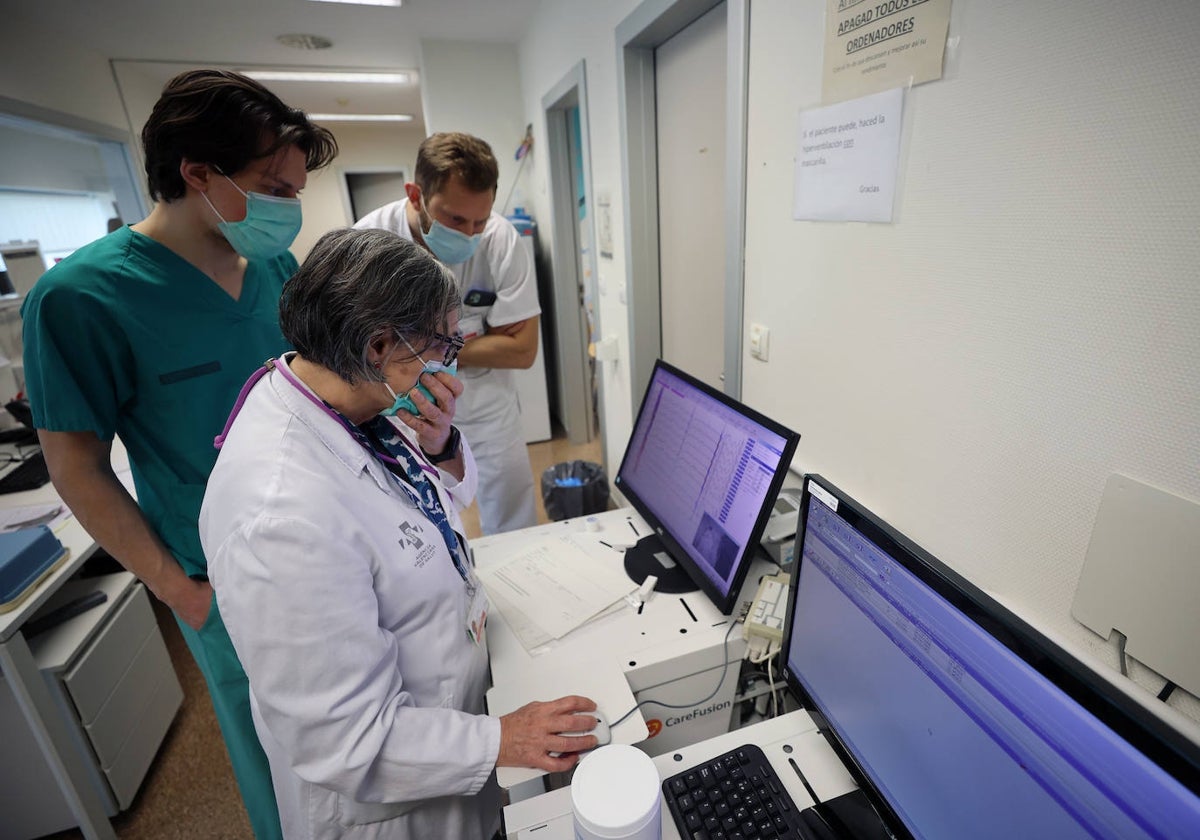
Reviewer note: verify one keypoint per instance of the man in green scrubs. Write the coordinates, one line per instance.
(149, 333)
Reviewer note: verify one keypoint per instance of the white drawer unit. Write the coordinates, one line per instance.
(111, 678)
(102, 666)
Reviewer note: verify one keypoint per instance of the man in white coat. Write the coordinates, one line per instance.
(331, 528)
(448, 211)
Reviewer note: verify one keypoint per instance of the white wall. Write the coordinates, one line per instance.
(476, 88)
(41, 68)
(361, 146)
(1029, 324)
(562, 33)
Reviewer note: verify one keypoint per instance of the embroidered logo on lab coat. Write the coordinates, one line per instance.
(410, 539)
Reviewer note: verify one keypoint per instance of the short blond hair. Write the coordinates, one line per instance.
(455, 153)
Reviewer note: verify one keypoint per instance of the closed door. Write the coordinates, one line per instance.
(690, 74)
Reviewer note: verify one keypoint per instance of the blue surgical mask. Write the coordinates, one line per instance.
(404, 401)
(447, 244)
(270, 226)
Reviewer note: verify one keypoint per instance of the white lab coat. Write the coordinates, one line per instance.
(488, 413)
(346, 610)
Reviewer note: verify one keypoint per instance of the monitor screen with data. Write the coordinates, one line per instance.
(703, 470)
(959, 718)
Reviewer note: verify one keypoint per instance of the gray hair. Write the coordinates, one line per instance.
(358, 285)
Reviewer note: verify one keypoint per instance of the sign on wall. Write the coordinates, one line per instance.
(876, 45)
(846, 160)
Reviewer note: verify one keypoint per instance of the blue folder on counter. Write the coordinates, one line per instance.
(27, 556)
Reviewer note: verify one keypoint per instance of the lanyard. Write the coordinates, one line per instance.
(427, 501)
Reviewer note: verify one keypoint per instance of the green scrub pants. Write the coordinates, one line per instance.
(230, 693)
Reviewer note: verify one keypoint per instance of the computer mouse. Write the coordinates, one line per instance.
(601, 730)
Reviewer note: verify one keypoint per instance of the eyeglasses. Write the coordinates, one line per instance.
(449, 344)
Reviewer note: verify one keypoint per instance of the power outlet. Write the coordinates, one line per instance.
(760, 339)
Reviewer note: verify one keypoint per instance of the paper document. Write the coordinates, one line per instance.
(549, 588)
(28, 516)
(847, 159)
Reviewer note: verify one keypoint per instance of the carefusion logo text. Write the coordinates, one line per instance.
(698, 713)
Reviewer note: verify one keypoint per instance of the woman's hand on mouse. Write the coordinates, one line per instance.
(531, 733)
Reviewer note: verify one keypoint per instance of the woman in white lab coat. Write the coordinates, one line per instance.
(331, 528)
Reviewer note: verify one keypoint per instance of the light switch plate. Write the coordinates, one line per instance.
(759, 341)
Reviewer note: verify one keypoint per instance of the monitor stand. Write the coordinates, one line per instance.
(650, 557)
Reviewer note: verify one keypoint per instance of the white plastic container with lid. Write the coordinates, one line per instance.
(615, 795)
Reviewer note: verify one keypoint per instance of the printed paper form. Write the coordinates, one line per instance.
(551, 587)
(50, 514)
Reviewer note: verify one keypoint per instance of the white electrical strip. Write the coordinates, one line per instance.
(767, 613)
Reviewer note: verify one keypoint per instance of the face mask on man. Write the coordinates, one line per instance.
(270, 226)
(404, 401)
(447, 244)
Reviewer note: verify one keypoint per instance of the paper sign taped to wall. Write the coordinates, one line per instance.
(846, 160)
(875, 45)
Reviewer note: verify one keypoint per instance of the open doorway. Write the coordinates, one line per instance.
(368, 188)
(579, 398)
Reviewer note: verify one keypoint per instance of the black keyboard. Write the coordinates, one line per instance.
(28, 475)
(735, 796)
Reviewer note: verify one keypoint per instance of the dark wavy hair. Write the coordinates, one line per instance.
(227, 120)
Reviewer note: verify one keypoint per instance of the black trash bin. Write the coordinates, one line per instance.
(574, 488)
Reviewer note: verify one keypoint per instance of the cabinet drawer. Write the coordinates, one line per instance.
(129, 699)
(103, 663)
(126, 773)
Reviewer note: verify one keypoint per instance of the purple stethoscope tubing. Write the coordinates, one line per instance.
(270, 365)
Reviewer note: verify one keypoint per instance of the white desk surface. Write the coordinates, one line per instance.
(611, 657)
(666, 633)
(548, 817)
(603, 682)
(70, 533)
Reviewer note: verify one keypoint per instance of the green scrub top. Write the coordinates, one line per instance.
(126, 337)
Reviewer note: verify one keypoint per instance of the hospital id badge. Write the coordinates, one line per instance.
(478, 609)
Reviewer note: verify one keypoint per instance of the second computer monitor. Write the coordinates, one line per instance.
(958, 717)
(703, 470)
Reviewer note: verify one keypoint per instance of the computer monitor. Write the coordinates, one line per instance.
(24, 265)
(703, 470)
(958, 718)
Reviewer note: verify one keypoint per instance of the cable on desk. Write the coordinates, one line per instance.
(724, 671)
(771, 682)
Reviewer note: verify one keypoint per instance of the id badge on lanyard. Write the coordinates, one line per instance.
(477, 608)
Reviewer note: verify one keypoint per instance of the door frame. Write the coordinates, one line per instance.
(573, 369)
(344, 183)
(651, 24)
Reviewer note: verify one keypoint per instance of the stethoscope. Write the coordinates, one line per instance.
(385, 458)
(270, 365)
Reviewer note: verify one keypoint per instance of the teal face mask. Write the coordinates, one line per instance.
(404, 401)
(270, 226)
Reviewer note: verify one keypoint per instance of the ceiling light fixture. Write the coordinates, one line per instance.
(361, 117)
(300, 41)
(356, 77)
(395, 3)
